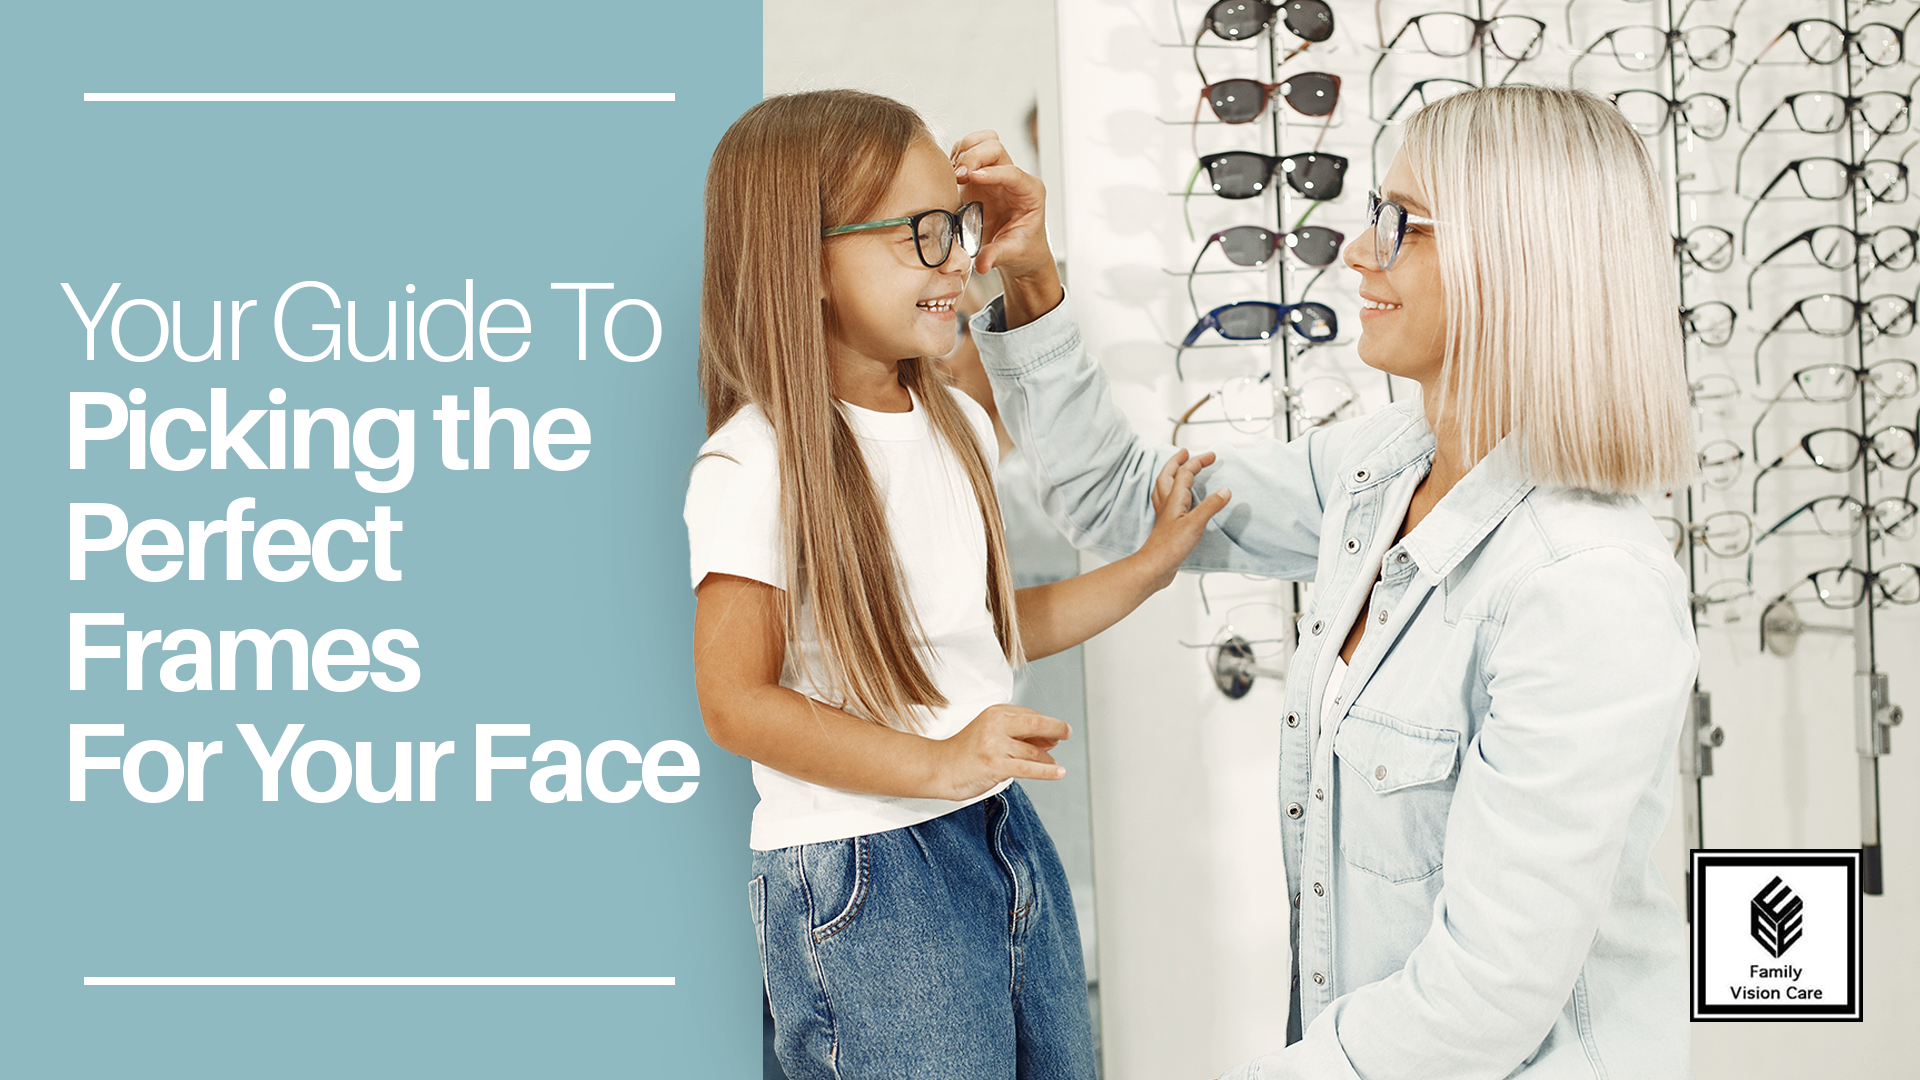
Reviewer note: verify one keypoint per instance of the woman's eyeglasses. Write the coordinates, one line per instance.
(1708, 247)
(1261, 320)
(1711, 322)
(933, 232)
(1837, 247)
(1649, 112)
(1389, 221)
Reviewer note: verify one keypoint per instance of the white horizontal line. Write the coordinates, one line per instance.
(373, 97)
(378, 980)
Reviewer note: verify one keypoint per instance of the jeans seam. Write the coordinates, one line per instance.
(1583, 1020)
(813, 961)
(861, 880)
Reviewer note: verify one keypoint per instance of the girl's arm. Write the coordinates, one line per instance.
(739, 646)
(1062, 614)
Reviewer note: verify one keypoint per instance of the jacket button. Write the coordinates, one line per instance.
(1293, 809)
(1318, 889)
(1319, 793)
(1400, 559)
(1383, 617)
(1293, 719)
(1380, 772)
(1353, 545)
(1319, 979)
(1296, 903)
(1319, 625)
(1360, 475)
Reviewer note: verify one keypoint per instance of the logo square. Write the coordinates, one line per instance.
(1776, 934)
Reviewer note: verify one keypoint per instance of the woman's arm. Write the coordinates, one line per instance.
(739, 645)
(1062, 614)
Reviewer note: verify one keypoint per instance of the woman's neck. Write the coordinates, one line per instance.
(1449, 465)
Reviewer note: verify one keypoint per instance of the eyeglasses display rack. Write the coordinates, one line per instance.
(1783, 127)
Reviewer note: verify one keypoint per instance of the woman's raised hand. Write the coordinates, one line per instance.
(1003, 742)
(1178, 520)
(1015, 203)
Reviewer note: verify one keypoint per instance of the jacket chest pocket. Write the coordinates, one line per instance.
(1396, 782)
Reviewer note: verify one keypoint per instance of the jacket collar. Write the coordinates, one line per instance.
(1468, 512)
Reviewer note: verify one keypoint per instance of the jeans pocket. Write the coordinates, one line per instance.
(757, 906)
(1394, 793)
(836, 876)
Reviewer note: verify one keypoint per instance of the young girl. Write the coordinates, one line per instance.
(857, 623)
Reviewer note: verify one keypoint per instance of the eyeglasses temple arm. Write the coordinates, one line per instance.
(1186, 201)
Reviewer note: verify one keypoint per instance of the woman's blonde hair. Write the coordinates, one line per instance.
(1557, 263)
(789, 167)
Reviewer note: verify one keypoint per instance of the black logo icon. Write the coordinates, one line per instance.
(1776, 917)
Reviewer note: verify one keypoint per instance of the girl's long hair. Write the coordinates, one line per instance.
(789, 167)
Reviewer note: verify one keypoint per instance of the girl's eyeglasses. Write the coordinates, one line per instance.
(1708, 247)
(1241, 101)
(1389, 221)
(1837, 247)
(1260, 320)
(1649, 112)
(1711, 322)
(933, 232)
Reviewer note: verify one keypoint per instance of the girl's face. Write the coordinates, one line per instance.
(1403, 312)
(883, 303)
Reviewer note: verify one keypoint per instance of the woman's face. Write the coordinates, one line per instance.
(884, 304)
(1403, 312)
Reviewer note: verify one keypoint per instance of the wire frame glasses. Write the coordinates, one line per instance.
(1727, 533)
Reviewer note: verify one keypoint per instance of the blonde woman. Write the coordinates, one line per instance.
(1481, 716)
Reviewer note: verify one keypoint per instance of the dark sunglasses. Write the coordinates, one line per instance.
(1242, 174)
(1650, 112)
(1260, 320)
(1253, 245)
(1241, 20)
(933, 231)
(1241, 101)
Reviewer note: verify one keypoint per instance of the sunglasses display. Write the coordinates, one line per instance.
(1242, 101)
(1238, 20)
(1260, 320)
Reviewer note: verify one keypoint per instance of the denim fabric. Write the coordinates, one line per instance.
(1469, 838)
(946, 949)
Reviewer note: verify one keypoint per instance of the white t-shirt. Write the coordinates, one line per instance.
(734, 527)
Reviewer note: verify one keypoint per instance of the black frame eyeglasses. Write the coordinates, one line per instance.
(1644, 48)
(967, 223)
(1711, 322)
(1838, 450)
(1834, 315)
(1843, 515)
(1708, 247)
(1388, 221)
(1836, 247)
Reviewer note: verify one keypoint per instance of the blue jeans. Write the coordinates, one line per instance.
(946, 949)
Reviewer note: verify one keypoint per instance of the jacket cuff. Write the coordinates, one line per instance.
(1021, 351)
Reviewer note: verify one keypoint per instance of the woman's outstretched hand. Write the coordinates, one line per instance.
(1178, 520)
(1003, 742)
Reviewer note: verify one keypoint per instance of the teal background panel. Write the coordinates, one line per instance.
(554, 599)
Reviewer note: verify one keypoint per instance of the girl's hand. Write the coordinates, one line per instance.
(1003, 742)
(1015, 202)
(1179, 522)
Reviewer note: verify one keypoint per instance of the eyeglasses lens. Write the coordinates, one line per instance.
(1826, 383)
(1314, 245)
(1896, 518)
(1639, 48)
(1893, 247)
(1444, 33)
(1895, 448)
(1706, 115)
(934, 238)
(1833, 246)
(1885, 112)
(1316, 176)
(1237, 101)
(1709, 47)
(1516, 37)
(1710, 247)
(1879, 44)
(1728, 534)
(1833, 449)
(1828, 315)
(1239, 19)
(1820, 41)
(1315, 322)
(1818, 112)
(1247, 245)
(1711, 322)
(1312, 93)
(1646, 110)
(1822, 178)
(1836, 515)
(1309, 20)
(1901, 583)
(973, 218)
(1387, 229)
(1238, 174)
(1248, 403)
(1891, 315)
(1840, 588)
(1248, 322)
(1894, 378)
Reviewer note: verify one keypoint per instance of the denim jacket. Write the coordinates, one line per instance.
(1469, 839)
